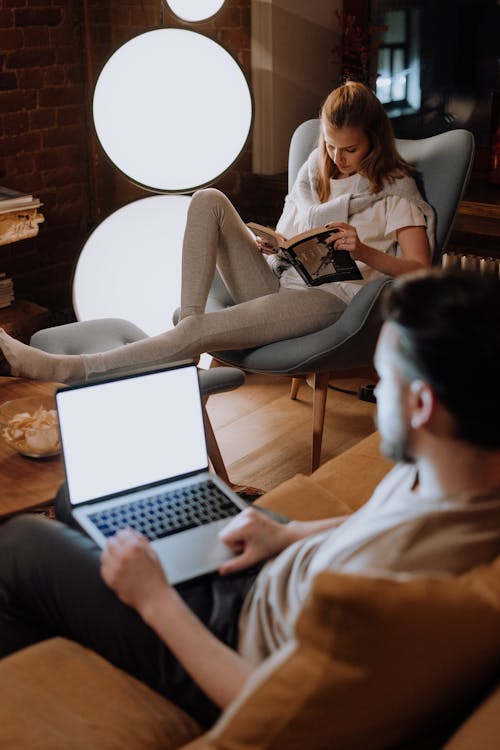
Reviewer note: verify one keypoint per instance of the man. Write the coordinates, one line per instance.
(438, 510)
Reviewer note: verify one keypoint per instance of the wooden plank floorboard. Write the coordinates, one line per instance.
(257, 392)
(265, 437)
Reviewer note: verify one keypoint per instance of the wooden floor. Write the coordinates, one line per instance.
(265, 437)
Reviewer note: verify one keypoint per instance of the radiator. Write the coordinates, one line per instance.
(471, 262)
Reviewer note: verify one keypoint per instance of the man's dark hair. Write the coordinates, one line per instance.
(449, 323)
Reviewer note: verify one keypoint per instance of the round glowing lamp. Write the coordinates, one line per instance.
(172, 110)
(195, 10)
(130, 267)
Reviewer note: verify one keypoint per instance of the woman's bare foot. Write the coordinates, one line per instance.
(24, 361)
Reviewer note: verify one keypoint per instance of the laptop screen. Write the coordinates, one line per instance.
(126, 433)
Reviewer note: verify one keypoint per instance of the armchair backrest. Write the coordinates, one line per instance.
(444, 163)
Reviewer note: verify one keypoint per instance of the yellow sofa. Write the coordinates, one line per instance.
(376, 663)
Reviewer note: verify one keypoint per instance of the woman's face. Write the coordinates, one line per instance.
(346, 147)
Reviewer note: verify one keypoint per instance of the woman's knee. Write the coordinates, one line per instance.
(208, 199)
(190, 327)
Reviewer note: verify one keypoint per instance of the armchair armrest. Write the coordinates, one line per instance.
(351, 338)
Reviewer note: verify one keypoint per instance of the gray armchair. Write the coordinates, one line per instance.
(444, 162)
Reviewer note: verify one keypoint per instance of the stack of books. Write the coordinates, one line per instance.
(6, 290)
(13, 200)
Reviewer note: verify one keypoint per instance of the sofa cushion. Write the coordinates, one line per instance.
(58, 695)
(377, 663)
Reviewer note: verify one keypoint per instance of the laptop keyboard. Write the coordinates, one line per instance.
(167, 512)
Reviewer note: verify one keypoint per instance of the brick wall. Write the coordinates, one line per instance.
(51, 52)
(43, 138)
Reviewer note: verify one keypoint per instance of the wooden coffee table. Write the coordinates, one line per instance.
(26, 483)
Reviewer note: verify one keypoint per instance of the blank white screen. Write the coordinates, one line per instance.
(131, 432)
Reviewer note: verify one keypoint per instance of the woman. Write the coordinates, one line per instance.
(354, 181)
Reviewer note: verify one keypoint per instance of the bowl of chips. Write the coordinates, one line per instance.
(30, 427)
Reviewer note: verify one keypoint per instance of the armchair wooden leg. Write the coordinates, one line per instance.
(213, 449)
(294, 387)
(321, 380)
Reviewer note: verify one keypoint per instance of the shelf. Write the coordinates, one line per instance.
(19, 224)
(477, 224)
(477, 217)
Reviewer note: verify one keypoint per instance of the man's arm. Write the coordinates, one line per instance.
(254, 537)
(131, 568)
(218, 670)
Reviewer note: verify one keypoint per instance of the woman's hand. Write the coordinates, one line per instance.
(266, 247)
(347, 239)
(412, 241)
(270, 246)
(253, 537)
(131, 567)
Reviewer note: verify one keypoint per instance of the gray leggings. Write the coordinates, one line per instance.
(216, 236)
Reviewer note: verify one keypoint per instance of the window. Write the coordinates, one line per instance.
(398, 64)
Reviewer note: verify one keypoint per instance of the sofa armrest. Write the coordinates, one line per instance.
(302, 499)
(338, 487)
(354, 474)
(481, 729)
(57, 694)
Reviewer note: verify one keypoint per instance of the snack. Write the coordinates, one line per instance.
(34, 434)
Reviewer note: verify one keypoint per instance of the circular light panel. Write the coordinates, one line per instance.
(172, 110)
(130, 267)
(195, 10)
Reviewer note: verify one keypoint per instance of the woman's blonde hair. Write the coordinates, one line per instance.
(355, 105)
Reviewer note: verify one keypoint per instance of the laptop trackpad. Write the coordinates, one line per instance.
(192, 553)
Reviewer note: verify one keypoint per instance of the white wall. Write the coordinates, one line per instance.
(293, 69)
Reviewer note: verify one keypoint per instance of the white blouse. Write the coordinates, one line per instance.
(377, 226)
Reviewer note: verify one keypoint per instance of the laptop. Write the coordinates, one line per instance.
(135, 455)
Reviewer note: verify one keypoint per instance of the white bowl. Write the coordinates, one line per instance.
(29, 426)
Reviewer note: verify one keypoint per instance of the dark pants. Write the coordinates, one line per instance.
(50, 585)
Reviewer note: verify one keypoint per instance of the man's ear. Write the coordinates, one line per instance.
(422, 403)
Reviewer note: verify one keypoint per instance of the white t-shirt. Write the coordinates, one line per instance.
(377, 226)
(396, 531)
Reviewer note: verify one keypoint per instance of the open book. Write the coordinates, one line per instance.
(312, 254)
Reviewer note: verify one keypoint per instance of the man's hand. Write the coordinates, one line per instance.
(253, 537)
(130, 567)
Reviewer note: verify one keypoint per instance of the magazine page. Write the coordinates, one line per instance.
(318, 262)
